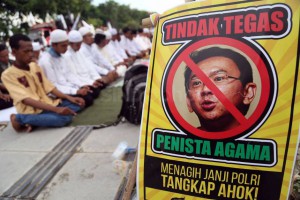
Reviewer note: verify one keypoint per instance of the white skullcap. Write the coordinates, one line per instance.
(107, 34)
(36, 46)
(84, 30)
(75, 36)
(113, 31)
(100, 31)
(58, 36)
(146, 30)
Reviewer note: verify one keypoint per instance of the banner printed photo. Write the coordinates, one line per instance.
(221, 112)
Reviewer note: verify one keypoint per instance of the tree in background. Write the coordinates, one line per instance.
(121, 16)
(8, 9)
(118, 15)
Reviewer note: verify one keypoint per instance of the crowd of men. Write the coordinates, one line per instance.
(49, 85)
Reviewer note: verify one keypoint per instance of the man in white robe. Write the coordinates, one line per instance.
(57, 70)
(90, 51)
(127, 44)
(101, 40)
(86, 48)
(115, 42)
(141, 39)
(81, 66)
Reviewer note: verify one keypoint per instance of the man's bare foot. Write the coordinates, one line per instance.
(17, 126)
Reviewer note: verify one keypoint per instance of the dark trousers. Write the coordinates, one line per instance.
(96, 92)
(5, 104)
(88, 99)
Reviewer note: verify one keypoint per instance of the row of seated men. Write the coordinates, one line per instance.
(48, 89)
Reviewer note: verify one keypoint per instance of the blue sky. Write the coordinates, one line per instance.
(158, 6)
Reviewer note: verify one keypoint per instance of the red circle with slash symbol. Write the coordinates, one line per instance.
(246, 125)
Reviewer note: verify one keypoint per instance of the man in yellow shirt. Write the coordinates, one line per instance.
(29, 88)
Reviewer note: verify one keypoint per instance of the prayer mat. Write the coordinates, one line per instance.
(105, 109)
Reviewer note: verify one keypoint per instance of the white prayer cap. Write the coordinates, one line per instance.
(107, 34)
(75, 36)
(58, 36)
(100, 31)
(84, 30)
(113, 31)
(146, 30)
(36, 46)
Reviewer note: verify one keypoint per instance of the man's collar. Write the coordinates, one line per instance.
(53, 53)
(24, 67)
(86, 45)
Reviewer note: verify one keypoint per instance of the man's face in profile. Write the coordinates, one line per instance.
(61, 47)
(225, 74)
(88, 39)
(4, 56)
(24, 53)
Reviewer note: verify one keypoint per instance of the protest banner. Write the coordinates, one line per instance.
(222, 105)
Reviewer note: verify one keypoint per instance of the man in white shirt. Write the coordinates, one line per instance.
(57, 70)
(142, 40)
(115, 38)
(90, 51)
(127, 44)
(111, 51)
(99, 58)
(115, 43)
(101, 40)
(81, 66)
(146, 36)
(136, 41)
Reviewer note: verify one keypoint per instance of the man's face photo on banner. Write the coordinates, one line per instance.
(231, 73)
(214, 88)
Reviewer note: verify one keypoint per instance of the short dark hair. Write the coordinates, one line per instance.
(125, 30)
(134, 31)
(140, 30)
(2, 47)
(241, 62)
(99, 38)
(15, 39)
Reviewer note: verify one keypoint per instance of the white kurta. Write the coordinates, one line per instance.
(110, 54)
(119, 49)
(137, 44)
(99, 59)
(129, 46)
(87, 51)
(82, 66)
(147, 41)
(59, 73)
(140, 41)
